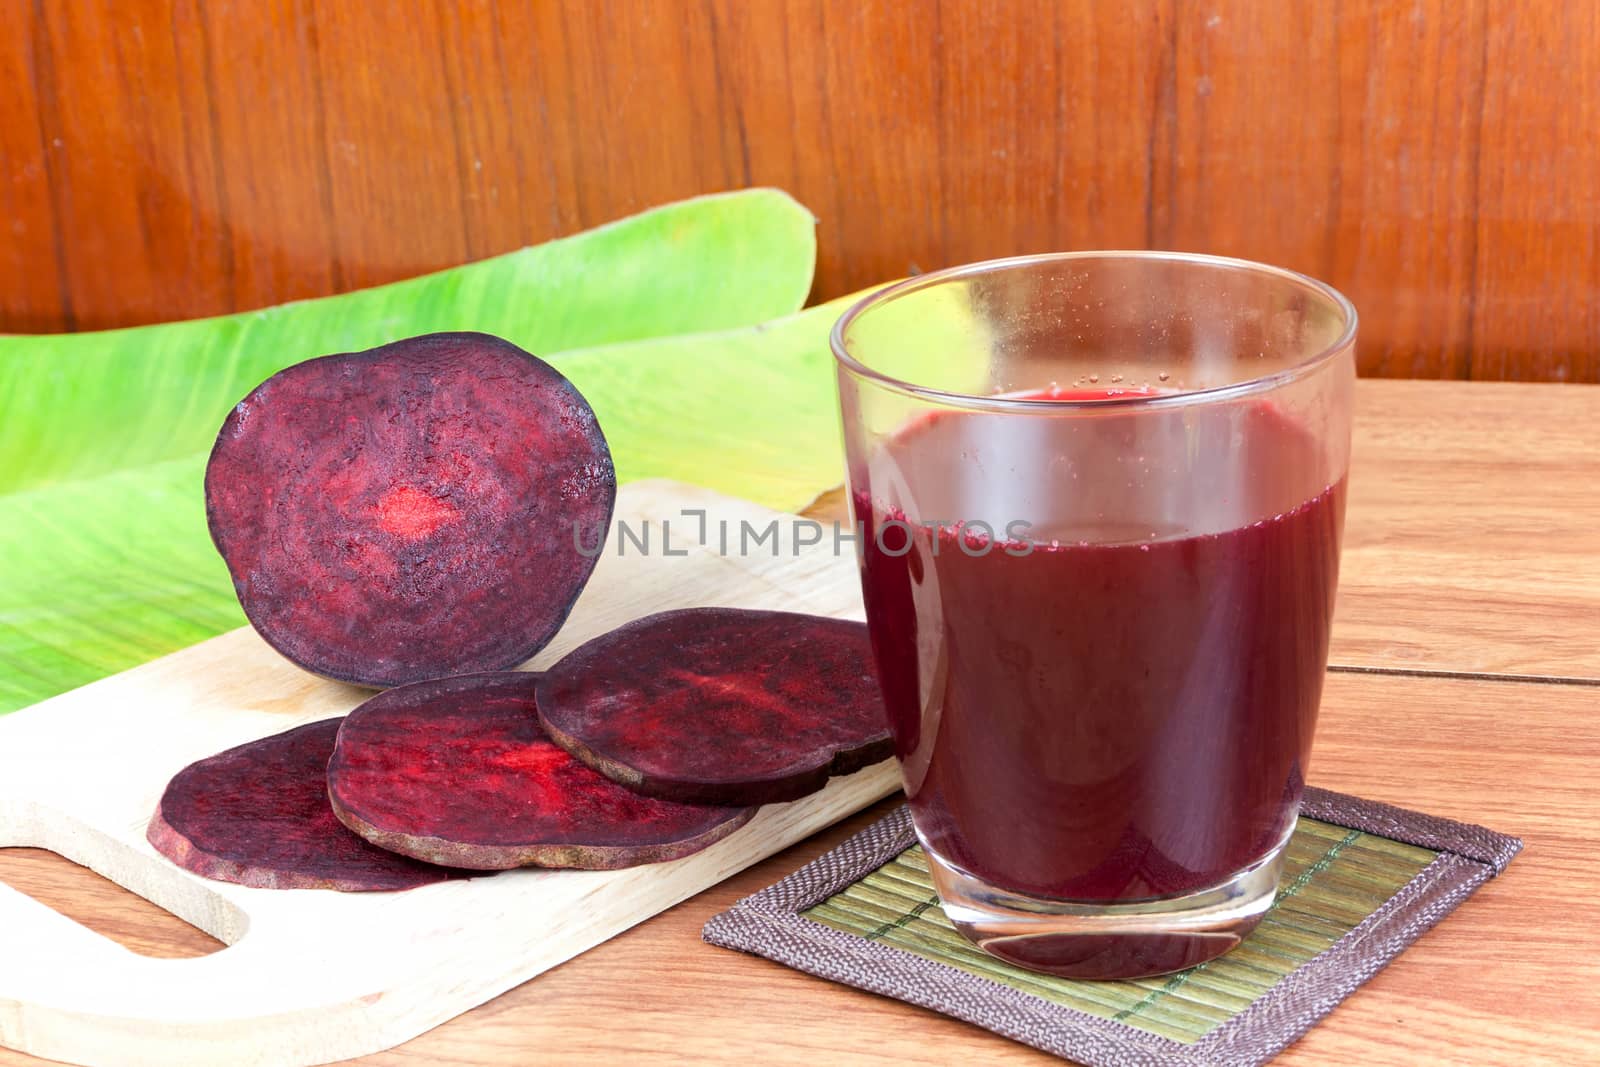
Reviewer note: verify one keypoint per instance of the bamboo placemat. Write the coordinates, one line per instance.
(1362, 881)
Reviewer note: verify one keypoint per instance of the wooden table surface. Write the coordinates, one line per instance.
(1465, 682)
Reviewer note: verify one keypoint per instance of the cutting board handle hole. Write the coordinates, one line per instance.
(102, 906)
(126, 893)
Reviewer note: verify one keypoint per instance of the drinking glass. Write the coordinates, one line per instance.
(1099, 499)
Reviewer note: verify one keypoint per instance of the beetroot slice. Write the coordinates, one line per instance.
(259, 815)
(410, 511)
(720, 706)
(458, 771)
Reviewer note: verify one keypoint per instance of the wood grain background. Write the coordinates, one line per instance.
(1437, 159)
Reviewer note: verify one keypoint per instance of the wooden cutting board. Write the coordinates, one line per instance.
(311, 976)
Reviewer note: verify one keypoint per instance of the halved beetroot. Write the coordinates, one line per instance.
(259, 815)
(410, 511)
(458, 771)
(720, 706)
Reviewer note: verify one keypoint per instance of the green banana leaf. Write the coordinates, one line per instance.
(74, 405)
(752, 412)
(105, 561)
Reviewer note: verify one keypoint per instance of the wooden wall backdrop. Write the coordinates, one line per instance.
(1438, 159)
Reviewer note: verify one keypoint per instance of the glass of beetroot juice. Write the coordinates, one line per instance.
(1100, 498)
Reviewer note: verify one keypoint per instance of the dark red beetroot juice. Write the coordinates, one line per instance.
(1109, 699)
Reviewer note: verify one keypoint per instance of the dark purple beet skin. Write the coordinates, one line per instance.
(720, 706)
(258, 815)
(408, 512)
(458, 771)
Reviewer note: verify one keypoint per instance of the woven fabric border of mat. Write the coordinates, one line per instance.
(864, 915)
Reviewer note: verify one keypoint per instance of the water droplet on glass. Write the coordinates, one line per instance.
(1163, 376)
(1116, 377)
(1094, 377)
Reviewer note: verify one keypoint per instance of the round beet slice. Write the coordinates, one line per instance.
(410, 511)
(459, 771)
(721, 706)
(259, 815)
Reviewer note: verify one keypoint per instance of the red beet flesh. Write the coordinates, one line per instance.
(259, 815)
(458, 771)
(409, 511)
(720, 706)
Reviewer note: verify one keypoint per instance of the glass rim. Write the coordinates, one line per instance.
(1002, 402)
